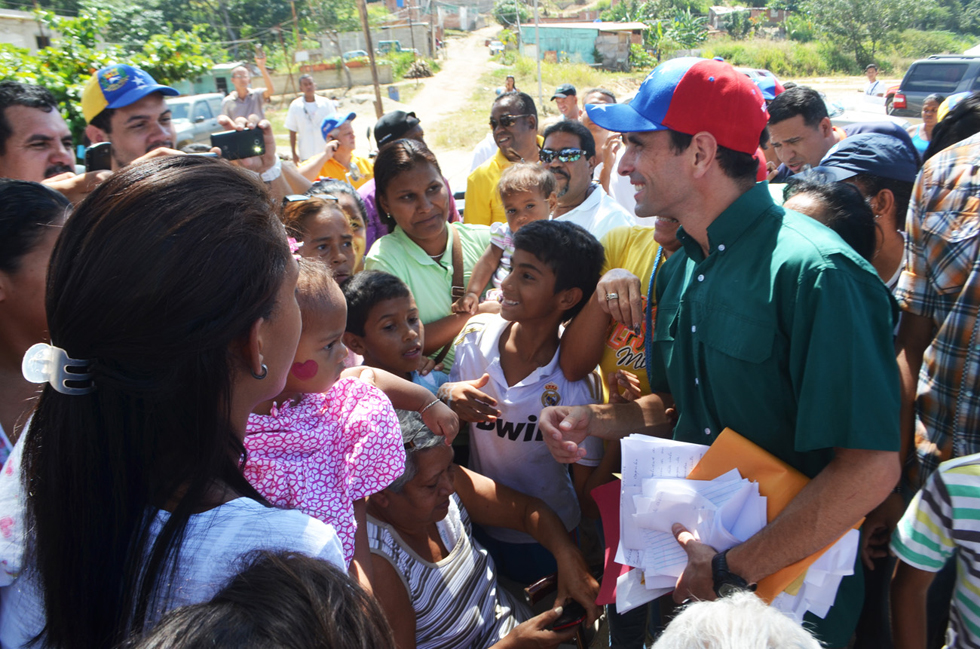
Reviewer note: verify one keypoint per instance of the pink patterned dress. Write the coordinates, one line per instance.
(325, 452)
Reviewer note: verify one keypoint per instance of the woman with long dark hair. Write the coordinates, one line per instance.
(172, 312)
(31, 216)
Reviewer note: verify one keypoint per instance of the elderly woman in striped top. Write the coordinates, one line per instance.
(435, 583)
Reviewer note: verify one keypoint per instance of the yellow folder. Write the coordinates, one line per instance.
(778, 482)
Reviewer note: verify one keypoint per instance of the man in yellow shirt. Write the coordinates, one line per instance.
(338, 159)
(514, 122)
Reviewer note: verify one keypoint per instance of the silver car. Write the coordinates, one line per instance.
(195, 117)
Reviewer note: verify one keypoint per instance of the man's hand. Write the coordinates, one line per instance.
(466, 400)
(576, 582)
(75, 188)
(427, 365)
(331, 148)
(260, 163)
(628, 382)
(878, 527)
(696, 581)
(467, 304)
(535, 634)
(161, 152)
(260, 59)
(620, 295)
(563, 429)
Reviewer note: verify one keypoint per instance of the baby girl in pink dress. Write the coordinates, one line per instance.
(323, 445)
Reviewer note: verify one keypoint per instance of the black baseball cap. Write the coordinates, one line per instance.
(393, 126)
(564, 90)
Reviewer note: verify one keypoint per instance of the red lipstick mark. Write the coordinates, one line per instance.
(305, 371)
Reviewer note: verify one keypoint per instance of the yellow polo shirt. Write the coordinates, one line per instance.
(361, 171)
(483, 205)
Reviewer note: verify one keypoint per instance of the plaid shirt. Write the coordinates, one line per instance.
(941, 281)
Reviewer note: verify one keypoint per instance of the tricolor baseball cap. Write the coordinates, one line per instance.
(770, 87)
(690, 95)
(116, 86)
(334, 121)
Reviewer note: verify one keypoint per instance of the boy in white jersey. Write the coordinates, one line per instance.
(506, 371)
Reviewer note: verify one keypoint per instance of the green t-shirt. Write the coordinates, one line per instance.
(782, 333)
(430, 280)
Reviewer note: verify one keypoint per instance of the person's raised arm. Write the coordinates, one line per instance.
(269, 88)
(310, 169)
(491, 503)
(482, 274)
(581, 345)
(405, 395)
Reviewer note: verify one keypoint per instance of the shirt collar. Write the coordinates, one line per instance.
(417, 254)
(737, 218)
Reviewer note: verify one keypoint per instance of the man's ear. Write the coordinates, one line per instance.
(592, 163)
(354, 343)
(534, 123)
(569, 298)
(96, 134)
(826, 128)
(704, 148)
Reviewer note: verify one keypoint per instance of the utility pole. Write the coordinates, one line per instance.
(537, 43)
(292, 4)
(362, 9)
(411, 31)
(433, 52)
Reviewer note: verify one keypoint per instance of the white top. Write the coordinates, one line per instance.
(457, 601)
(598, 214)
(215, 543)
(511, 449)
(874, 88)
(486, 149)
(304, 119)
(620, 187)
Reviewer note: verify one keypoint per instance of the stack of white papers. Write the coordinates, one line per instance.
(721, 513)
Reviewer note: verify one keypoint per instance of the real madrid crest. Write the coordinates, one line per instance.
(550, 396)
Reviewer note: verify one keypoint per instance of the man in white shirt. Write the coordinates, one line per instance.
(569, 152)
(303, 120)
(609, 151)
(874, 88)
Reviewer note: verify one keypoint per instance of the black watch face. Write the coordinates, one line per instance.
(726, 589)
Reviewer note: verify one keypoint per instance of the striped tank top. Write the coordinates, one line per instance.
(458, 603)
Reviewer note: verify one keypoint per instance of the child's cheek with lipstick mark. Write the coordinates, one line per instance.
(305, 371)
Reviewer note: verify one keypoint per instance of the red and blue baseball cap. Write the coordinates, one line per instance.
(770, 87)
(690, 95)
(116, 86)
(334, 121)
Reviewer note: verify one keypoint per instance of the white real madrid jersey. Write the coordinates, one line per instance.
(511, 449)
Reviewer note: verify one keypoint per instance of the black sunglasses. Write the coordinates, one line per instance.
(506, 120)
(565, 155)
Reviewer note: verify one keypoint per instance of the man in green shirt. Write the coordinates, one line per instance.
(767, 323)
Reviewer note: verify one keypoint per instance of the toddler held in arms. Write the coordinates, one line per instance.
(528, 193)
(330, 439)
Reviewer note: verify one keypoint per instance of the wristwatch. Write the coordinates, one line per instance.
(727, 582)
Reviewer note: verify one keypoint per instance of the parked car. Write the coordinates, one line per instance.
(496, 47)
(944, 74)
(355, 54)
(386, 47)
(195, 117)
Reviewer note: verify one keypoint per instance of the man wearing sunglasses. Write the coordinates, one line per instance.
(569, 153)
(514, 123)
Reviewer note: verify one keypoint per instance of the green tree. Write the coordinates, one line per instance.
(738, 24)
(688, 30)
(77, 54)
(861, 27)
(506, 12)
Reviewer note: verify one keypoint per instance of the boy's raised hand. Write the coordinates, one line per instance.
(467, 401)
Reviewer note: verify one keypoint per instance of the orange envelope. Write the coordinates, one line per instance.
(778, 482)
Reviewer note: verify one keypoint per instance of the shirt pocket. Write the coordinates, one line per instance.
(737, 335)
(950, 242)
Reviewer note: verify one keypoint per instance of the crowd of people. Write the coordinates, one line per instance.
(309, 401)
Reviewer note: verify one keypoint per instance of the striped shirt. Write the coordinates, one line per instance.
(457, 600)
(945, 517)
(941, 281)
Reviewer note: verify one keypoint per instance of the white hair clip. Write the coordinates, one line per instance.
(44, 363)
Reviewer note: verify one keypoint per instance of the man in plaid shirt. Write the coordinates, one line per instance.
(939, 293)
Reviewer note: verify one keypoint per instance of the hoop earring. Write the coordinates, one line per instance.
(265, 372)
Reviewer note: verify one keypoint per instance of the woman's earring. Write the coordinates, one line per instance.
(265, 372)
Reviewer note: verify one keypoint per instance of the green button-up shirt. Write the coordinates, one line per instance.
(782, 333)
